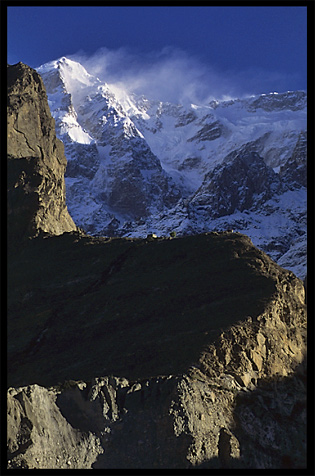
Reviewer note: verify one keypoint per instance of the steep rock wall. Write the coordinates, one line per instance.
(36, 161)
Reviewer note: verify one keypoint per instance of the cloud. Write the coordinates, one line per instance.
(175, 76)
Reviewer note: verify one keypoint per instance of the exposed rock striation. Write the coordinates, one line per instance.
(294, 171)
(36, 161)
(242, 182)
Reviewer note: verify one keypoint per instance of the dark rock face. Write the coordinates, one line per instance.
(294, 171)
(171, 422)
(185, 118)
(210, 131)
(139, 184)
(36, 161)
(88, 164)
(293, 100)
(242, 181)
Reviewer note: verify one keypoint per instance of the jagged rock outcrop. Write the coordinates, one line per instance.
(242, 182)
(294, 171)
(292, 100)
(40, 437)
(233, 409)
(36, 161)
(208, 132)
(182, 364)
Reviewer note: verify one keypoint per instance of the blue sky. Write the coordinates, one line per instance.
(226, 50)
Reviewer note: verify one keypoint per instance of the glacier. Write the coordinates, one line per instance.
(138, 166)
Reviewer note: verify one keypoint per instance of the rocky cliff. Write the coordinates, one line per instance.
(243, 181)
(206, 387)
(36, 161)
(145, 353)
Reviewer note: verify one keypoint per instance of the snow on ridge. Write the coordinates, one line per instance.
(70, 70)
(73, 71)
(116, 129)
(158, 123)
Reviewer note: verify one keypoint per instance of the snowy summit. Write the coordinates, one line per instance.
(137, 166)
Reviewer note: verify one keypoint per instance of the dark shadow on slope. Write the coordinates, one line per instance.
(80, 307)
(271, 426)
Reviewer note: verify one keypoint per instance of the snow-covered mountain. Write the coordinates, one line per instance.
(137, 166)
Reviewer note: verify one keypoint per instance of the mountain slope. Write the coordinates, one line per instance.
(137, 166)
(145, 353)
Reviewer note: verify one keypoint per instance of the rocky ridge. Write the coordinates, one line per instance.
(234, 408)
(149, 353)
(36, 160)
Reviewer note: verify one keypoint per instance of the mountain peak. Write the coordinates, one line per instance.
(129, 153)
(71, 72)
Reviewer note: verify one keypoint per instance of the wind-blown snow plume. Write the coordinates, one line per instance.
(173, 75)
